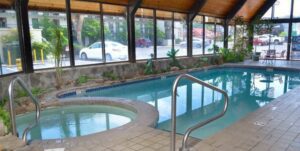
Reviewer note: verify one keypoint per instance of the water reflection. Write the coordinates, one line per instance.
(73, 121)
(248, 89)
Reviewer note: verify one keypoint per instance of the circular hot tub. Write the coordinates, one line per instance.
(74, 120)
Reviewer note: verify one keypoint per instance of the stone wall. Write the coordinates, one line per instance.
(46, 78)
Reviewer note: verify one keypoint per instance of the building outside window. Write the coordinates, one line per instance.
(10, 56)
(163, 33)
(144, 33)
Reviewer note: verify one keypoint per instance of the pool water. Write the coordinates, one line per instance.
(73, 121)
(248, 89)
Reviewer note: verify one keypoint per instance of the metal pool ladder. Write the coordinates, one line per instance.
(12, 109)
(173, 114)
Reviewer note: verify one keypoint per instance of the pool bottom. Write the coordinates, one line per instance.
(74, 120)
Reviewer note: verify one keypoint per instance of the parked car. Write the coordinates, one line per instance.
(259, 42)
(197, 42)
(143, 42)
(271, 38)
(276, 39)
(113, 51)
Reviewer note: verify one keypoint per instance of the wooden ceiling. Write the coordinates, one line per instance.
(216, 8)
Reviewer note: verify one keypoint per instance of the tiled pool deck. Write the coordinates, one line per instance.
(274, 127)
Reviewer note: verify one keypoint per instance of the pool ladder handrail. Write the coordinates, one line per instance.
(12, 110)
(173, 110)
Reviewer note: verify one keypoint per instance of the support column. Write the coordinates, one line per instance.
(70, 33)
(21, 7)
(189, 36)
(134, 5)
(225, 34)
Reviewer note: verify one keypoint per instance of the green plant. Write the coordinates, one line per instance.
(202, 62)
(109, 75)
(215, 49)
(231, 56)
(173, 60)
(38, 46)
(36, 91)
(82, 79)
(57, 51)
(149, 67)
(4, 115)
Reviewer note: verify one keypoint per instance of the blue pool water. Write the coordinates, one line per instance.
(73, 121)
(249, 89)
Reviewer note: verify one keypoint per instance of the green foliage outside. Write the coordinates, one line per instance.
(91, 29)
(13, 36)
(173, 60)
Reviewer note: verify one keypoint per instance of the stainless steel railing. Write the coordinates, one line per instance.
(173, 114)
(12, 110)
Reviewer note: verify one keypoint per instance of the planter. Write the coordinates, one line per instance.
(255, 56)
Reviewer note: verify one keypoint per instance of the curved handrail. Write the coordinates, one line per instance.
(12, 110)
(173, 114)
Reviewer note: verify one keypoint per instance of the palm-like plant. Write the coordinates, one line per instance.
(172, 56)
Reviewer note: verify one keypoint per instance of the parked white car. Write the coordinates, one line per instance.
(273, 38)
(197, 42)
(113, 51)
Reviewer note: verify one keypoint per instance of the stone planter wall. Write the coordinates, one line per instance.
(46, 78)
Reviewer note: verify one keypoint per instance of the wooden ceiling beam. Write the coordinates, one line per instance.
(235, 10)
(268, 4)
(194, 11)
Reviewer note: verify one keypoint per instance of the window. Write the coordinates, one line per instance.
(10, 56)
(268, 14)
(230, 36)
(209, 34)
(282, 9)
(3, 22)
(115, 33)
(180, 36)
(144, 33)
(86, 34)
(43, 38)
(219, 35)
(198, 35)
(296, 13)
(273, 43)
(164, 33)
(35, 23)
(295, 48)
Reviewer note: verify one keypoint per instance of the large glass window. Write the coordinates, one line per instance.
(209, 34)
(272, 43)
(10, 57)
(43, 31)
(219, 33)
(164, 33)
(180, 30)
(268, 14)
(198, 35)
(115, 33)
(296, 13)
(282, 9)
(86, 34)
(230, 36)
(295, 48)
(144, 33)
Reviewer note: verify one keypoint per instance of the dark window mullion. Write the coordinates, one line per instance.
(102, 33)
